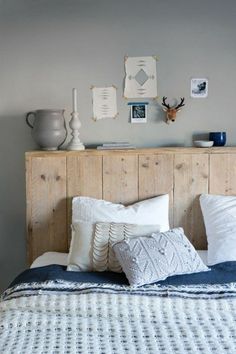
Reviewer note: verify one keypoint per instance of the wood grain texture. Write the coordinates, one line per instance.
(190, 180)
(84, 178)
(53, 178)
(156, 177)
(223, 174)
(29, 228)
(47, 217)
(148, 151)
(120, 178)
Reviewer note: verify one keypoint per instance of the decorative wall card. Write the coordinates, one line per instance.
(104, 102)
(138, 112)
(141, 77)
(199, 88)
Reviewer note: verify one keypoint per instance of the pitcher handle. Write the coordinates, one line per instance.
(27, 119)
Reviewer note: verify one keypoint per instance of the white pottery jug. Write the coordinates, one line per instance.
(48, 127)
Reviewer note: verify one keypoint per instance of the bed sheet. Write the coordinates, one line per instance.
(61, 258)
(48, 258)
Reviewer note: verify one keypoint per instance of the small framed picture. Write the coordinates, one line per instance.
(138, 112)
(199, 88)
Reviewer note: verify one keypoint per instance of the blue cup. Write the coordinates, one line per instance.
(219, 138)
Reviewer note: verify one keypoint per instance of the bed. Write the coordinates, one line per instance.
(48, 309)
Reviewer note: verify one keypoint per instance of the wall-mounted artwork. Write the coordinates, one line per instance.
(138, 112)
(104, 102)
(141, 77)
(171, 111)
(199, 88)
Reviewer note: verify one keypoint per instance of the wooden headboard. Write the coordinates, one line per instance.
(122, 176)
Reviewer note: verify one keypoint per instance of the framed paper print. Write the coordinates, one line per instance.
(138, 112)
(199, 88)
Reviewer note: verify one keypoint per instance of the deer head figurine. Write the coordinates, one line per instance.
(171, 111)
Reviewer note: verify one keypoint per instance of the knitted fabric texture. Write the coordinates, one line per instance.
(147, 260)
(117, 319)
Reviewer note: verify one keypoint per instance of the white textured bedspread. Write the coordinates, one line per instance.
(96, 320)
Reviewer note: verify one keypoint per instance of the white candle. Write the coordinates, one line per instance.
(74, 99)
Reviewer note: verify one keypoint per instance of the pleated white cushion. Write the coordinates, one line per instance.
(91, 245)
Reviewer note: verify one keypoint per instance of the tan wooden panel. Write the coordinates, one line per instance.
(223, 174)
(84, 178)
(48, 222)
(156, 177)
(190, 180)
(120, 178)
(28, 167)
(147, 151)
(127, 176)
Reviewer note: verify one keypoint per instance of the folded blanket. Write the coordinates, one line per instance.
(219, 282)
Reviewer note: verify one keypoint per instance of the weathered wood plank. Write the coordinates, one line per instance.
(144, 151)
(156, 177)
(84, 178)
(223, 174)
(190, 180)
(28, 172)
(120, 178)
(47, 197)
(53, 178)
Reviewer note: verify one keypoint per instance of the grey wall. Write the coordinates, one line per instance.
(49, 46)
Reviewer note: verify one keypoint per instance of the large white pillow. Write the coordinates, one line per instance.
(153, 211)
(88, 212)
(219, 213)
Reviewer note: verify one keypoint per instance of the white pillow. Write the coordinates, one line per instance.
(86, 212)
(152, 211)
(91, 244)
(219, 213)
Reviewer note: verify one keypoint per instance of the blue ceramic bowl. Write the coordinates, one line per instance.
(219, 138)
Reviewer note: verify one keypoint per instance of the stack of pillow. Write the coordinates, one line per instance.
(135, 239)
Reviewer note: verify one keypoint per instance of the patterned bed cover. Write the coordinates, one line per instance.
(49, 310)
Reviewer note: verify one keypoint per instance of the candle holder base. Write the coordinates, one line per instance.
(75, 124)
(75, 146)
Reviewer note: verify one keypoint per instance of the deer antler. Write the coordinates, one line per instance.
(164, 103)
(181, 104)
(171, 111)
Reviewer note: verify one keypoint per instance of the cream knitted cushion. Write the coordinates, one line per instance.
(91, 245)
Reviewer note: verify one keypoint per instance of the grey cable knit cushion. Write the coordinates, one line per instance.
(146, 260)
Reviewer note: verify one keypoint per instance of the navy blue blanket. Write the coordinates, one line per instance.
(219, 274)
